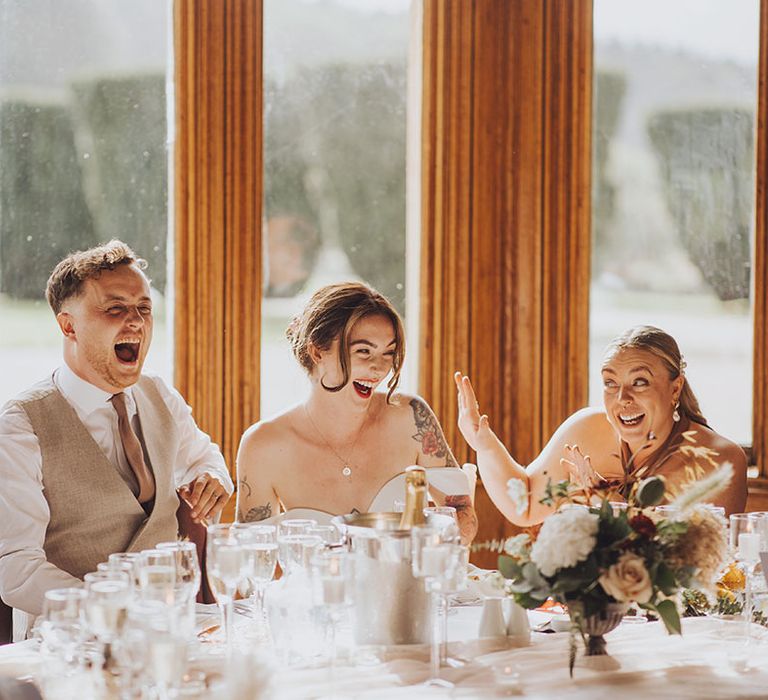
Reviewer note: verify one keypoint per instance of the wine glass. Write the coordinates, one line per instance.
(186, 566)
(296, 551)
(444, 518)
(291, 528)
(157, 575)
(259, 543)
(745, 547)
(61, 629)
(331, 592)
(106, 605)
(225, 572)
(329, 534)
(435, 560)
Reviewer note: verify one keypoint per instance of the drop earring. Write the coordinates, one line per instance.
(676, 413)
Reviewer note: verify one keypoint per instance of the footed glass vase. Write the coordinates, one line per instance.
(595, 626)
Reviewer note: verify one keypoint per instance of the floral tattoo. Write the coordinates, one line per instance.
(254, 514)
(429, 434)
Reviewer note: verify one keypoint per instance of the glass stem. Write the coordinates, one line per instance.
(229, 619)
(434, 656)
(444, 630)
(748, 604)
(332, 668)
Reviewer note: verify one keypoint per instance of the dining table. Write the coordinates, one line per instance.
(713, 658)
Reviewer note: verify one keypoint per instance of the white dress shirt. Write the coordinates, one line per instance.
(24, 514)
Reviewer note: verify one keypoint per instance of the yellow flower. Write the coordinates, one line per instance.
(733, 579)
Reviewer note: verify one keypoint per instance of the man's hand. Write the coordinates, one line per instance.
(206, 496)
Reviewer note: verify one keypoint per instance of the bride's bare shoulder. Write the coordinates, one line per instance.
(268, 435)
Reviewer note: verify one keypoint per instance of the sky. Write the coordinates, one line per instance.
(713, 28)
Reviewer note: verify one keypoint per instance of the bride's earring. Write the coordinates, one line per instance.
(676, 413)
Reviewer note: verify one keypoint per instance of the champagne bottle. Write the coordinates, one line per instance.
(415, 498)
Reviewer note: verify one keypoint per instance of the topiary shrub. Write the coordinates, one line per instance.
(123, 132)
(706, 159)
(43, 213)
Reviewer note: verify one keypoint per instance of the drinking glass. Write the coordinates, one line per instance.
(745, 547)
(156, 635)
(331, 591)
(157, 575)
(62, 623)
(225, 572)
(435, 560)
(329, 534)
(444, 518)
(106, 605)
(296, 551)
(291, 528)
(259, 543)
(186, 566)
(453, 584)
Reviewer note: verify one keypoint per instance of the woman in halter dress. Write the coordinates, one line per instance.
(650, 424)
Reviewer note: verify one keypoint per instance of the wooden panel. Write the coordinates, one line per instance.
(505, 217)
(218, 213)
(760, 284)
(567, 200)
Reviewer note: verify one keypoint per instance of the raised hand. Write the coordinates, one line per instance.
(473, 426)
(580, 468)
(206, 496)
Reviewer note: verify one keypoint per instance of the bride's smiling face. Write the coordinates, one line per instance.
(639, 395)
(372, 349)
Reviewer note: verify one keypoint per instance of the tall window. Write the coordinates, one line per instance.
(675, 95)
(335, 78)
(84, 159)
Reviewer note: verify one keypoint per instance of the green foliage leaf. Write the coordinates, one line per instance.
(651, 491)
(667, 611)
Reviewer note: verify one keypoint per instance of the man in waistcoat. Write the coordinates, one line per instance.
(92, 457)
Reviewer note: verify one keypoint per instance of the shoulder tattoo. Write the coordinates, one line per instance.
(428, 433)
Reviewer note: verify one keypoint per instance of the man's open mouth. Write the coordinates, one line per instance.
(363, 388)
(127, 352)
(631, 418)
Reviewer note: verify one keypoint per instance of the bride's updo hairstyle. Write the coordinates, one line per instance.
(664, 346)
(330, 314)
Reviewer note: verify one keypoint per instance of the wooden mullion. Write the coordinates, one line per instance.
(760, 273)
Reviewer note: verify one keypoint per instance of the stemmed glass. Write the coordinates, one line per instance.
(186, 566)
(331, 583)
(435, 560)
(157, 575)
(61, 629)
(290, 528)
(106, 606)
(259, 543)
(444, 518)
(745, 545)
(225, 572)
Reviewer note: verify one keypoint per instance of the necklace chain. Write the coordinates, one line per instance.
(345, 463)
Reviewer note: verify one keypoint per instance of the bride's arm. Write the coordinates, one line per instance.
(256, 497)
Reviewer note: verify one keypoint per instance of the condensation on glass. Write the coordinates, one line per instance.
(84, 159)
(335, 77)
(675, 98)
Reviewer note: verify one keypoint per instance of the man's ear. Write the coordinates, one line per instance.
(66, 323)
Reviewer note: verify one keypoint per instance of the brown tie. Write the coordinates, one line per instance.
(133, 451)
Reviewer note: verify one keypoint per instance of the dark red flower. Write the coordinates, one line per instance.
(643, 525)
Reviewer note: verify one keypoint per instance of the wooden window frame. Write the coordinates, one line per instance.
(506, 151)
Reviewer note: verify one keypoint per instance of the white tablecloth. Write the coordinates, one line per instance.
(708, 661)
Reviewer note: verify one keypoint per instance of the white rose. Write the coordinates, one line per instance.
(628, 580)
(566, 538)
(518, 494)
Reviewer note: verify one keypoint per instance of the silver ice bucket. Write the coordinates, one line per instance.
(391, 605)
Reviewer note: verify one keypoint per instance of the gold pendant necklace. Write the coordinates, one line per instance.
(346, 469)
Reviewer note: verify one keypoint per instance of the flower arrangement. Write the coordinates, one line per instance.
(599, 559)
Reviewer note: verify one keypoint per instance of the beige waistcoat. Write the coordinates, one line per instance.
(93, 510)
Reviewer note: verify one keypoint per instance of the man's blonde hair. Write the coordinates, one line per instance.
(68, 276)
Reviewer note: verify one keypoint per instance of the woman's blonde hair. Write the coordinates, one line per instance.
(331, 313)
(664, 346)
